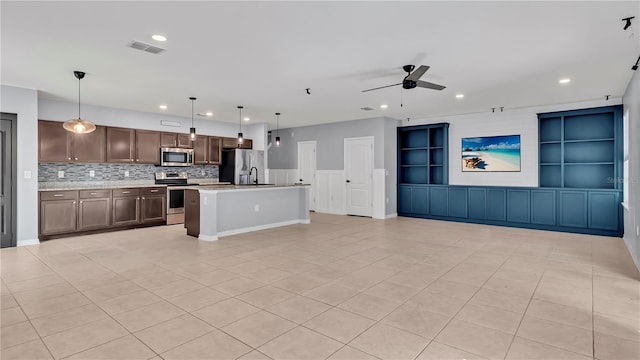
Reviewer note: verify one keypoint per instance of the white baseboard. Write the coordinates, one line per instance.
(262, 227)
(28, 242)
(207, 237)
(389, 216)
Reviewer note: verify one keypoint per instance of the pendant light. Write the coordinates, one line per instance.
(240, 139)
(192, 130)
(277, 129)
(79, 126)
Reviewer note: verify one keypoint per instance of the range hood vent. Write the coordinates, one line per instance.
(138, 45)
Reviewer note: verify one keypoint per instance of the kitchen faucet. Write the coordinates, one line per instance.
(251, 172)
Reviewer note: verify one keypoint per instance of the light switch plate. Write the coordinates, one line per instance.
(60, 174)
(256, 207)
(27, 174)
(126, 173)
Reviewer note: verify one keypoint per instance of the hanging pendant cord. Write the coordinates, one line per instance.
(191, 113)
(79, 99)
(240, 122)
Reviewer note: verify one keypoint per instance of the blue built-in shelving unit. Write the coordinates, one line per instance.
(580, 162)
(423, 154)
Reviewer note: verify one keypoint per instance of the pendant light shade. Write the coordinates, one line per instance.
(79, 126)
(192, 130)
(277, 129)
(240, 138)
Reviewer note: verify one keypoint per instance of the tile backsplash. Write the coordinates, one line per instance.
(48, 172)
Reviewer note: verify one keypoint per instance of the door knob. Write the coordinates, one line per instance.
(348, 180)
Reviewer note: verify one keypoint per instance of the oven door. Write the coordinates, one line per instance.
(175, 201)
(176, 157)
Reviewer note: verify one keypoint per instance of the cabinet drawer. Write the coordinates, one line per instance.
(126, 192)
(58, 195)
(94, 194)
(154, 191)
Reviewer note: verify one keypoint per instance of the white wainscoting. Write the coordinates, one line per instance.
(282, 176)
(330, 192)
(379, 195)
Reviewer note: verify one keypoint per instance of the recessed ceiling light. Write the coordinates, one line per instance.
(564, 81)
(459, 96)
(158, 37)
(383, 106)
(246, 119)
(163, 107)
(209, 113)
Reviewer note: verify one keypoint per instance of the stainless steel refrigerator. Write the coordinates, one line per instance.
(241, 166)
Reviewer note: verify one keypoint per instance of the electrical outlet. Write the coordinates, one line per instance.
(27, 174)
(386, 173)
(256, 207)
(292, 134)
(638, 230)
(92, 173)
(204, 201)
(126, 173)
(387, 200)
(60, 174)
(202, 173)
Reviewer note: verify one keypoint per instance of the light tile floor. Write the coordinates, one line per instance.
(339, 288)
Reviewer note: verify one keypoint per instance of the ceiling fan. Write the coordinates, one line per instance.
(412, 79)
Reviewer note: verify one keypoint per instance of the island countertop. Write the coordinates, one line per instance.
(248, 187)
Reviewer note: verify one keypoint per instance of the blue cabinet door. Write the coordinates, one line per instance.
(573, 208)
(420, 200)
(458, 202)
(543, 207)
(439, 201)
(404, 199)
(603, 210)
(518, 206)
(477, 203)
(496, 204)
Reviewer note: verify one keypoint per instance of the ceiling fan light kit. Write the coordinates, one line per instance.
(412, 80)
(79, 126)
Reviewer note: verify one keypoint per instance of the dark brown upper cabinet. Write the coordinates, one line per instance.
(55, 144)
(133, 146)
(207, 150)
(230, 143)
(147, 147)
(169, 139)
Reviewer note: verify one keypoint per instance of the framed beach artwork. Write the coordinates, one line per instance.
(491, 153)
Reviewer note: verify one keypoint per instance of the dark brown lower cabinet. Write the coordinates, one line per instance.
(154, 208)
(192, 212)
(126, 210)
(57, 216)
(94, 213)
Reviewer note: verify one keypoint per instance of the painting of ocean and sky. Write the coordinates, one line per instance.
(491, 153)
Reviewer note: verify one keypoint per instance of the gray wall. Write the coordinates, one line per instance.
(390, 164)
(24, 103)
(329, 143)
(631, 103)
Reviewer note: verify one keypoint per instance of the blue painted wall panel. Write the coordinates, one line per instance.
(543, 207)
(458, 202)
(518, 206)
(477, 203)
(439, 201)
(496, 204)
(420, 200)
(573, 208)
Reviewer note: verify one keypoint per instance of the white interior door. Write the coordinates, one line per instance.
(307, 168)
(358, 171)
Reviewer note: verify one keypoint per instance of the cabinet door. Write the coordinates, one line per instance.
(154, 208)
(215, 150)
(54, 142)
(168, 139)
(94, 213)
(229, 143)
(200, 149)
(184, 141)
(57, 216)
(121, 145)
(603, 210)
(126, 210)
(147, 147)
(91, 147)
(247, 144)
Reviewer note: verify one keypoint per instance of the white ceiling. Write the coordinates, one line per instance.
(264, 54)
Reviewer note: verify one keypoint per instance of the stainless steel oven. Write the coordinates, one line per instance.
(176, 157)
(176, 182)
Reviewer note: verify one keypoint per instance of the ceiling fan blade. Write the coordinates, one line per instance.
(417, 74)
(382, 87)
(429, 85)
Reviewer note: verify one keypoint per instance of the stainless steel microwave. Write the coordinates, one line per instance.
(176, 157)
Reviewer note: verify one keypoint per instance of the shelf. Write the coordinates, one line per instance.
(407, 166)
(436, 147)
(415, 148)
(435, 165)
(588, 140)
(550, 164)
(588, 163)
(550, 142)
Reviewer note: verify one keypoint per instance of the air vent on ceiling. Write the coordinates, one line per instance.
(366, 108)
(145, 47)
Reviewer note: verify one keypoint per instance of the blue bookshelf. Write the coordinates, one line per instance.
(423, 154)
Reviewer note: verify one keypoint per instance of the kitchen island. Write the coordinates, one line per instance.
(222, 210)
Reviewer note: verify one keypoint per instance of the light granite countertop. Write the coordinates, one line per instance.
(82, 185)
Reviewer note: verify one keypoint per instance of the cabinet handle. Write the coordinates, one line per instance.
(93, 193)
(68, 158)
(81, 201)
(74, 202)
(153, 190)
(137, 159)
(126, 192)
(76, 158)
(143, 198)
(58, 195)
